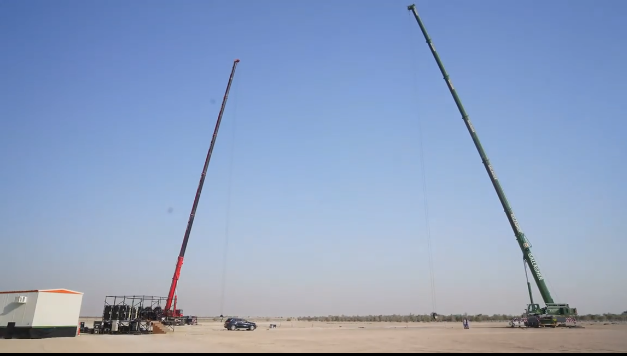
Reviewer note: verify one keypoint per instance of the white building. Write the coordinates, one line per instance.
(37, 314)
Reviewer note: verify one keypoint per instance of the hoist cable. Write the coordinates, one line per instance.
(424, 181)
(525, 268)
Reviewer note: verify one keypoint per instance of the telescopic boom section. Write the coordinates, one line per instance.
(190, 222)
(520, 236)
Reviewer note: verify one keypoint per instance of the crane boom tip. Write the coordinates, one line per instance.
(237, 60)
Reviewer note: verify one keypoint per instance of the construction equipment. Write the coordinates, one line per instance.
(553, 314)
(170, 312)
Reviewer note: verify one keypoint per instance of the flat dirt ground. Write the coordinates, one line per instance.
(210, 336)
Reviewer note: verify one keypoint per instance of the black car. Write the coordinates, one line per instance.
(237, 323)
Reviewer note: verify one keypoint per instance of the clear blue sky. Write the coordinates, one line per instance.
(107, 110)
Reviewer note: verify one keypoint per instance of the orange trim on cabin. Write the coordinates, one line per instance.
(63, 291)
(20, 291)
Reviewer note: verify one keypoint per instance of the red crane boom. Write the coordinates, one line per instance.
(190, 222)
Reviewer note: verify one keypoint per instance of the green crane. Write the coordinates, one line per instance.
(553, 314)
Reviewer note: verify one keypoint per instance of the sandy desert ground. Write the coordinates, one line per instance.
(210, 336)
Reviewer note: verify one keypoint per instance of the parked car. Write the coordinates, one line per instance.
(190, 320)
(237, 323)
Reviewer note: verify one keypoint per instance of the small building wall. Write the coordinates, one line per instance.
(21, 314)
(58, 309)
(46, 313)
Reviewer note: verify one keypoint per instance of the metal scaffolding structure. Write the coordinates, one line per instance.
(132, 314)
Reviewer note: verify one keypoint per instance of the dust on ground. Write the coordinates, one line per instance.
(301, 336)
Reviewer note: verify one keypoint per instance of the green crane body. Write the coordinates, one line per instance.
(554, 313)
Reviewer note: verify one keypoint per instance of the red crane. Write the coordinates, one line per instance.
(179, 263)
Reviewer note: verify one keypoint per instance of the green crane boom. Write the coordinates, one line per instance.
(520, 236)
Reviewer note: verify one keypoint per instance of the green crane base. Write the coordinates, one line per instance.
(552, 315)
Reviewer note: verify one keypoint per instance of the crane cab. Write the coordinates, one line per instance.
(534, 309)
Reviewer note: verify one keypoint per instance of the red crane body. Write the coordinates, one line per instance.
(190, 222)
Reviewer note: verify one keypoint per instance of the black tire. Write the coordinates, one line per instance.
(533, 322)
(251, 328)
(233, 328)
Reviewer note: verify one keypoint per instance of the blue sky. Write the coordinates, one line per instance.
(107, 110)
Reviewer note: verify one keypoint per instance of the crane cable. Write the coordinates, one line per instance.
(549, 285)
(228, 201)
(525, 268)
(424, 179)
